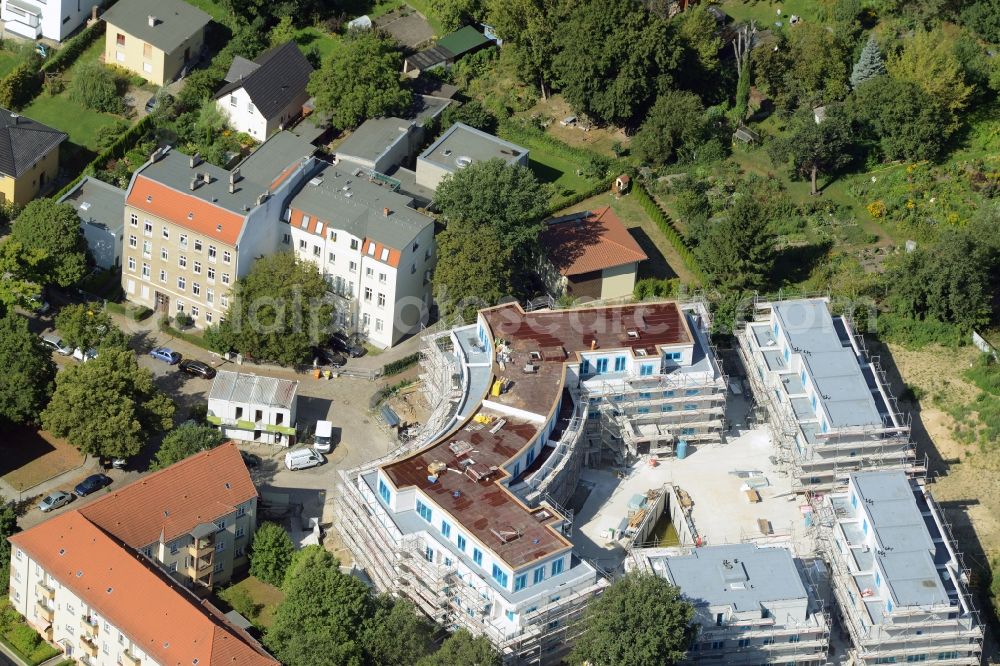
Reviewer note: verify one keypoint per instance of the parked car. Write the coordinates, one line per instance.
(196, 368)
(156, 100)
(54, 501)
(84, 356)
(166, 354)
(349, 344)
(303, 459)
(324, 437)
(329, 357)
(91, 484)
(54, 342)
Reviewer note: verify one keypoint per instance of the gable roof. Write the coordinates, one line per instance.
(280, 74)
(171, 502)
(589, 241)
(161, 618)
(176, 21)
(23, 142)
(253, 389)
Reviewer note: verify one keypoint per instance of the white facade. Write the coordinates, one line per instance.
(252, 408)
(51, 19)
(244, 117)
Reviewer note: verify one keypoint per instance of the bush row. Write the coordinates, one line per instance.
(117, 150)
(397, 366)
(530, 135)
(72, 49)
(663, 222)
(18, 88)
(196, 340)
(565, 202)
(386, 392)
(134, 312)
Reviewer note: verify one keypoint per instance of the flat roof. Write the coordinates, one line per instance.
(496, 436)
(98, 203)
(830, 360)
(741, 575)
(374, 138)
(253, 389)
(273, 157)
(461, 145)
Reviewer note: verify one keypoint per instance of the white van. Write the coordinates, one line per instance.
(303, 459)
(324, 437)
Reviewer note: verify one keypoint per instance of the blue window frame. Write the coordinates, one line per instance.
(585, 367)
(668, 394)
(510, 616)
(642, 410)
(913, 658)
(446, 528)
(531, 455)
(424, 511)
(645, 369)
(429, 554)
(690, 406)
(854, 501)
(878, 579)
(691, 392)
(461, 543)
(383, 491)
(793, 639)
(516, 472)
(667, 408)
(477, 556)
(673, 356)
(538, 576)
(787, 354)
(645, 395)
(602, 365)
(619, 363)
(889, 606)
(557, 567)
(520, 582)
(499, 575)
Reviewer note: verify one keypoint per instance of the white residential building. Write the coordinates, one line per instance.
(460, 146)
(253, 408)
(752, 605)
(375, 251)
(51, 19)
(900, 584)
(100, 207)
(828, 404)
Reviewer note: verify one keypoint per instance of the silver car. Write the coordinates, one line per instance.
(54, 501)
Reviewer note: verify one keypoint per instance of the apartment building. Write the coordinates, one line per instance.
(253, 408)
(375, 251)
(111, 583)
(458, 147)
(48, 19)
(828, 405)
(467, 521)
(193, 228)
(753, 605)
(900, 583)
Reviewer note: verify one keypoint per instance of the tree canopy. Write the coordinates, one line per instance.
(738, 252)
(53, 231)
(28, 376)
(813, 147)
(928, 60)
(271, 553)
(906, 122)
(186, 440)
(361, 80)
(463, 648)
(640, 620)
(807, 67)
(473, 270)
(88, 326)
(674, 130)
(869, 65)
(107, 407)
(277, 312)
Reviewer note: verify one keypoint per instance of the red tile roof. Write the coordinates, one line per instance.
(585, 243)
(175, 206)
(159, 616)
(169, 503)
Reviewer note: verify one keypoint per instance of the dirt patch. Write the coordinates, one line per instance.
(599, 139)
(33, 456)
(407, 27)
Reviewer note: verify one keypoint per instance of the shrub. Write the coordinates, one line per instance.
(97, 87)
(655, 288)
(72, 49)
(18, 88)
(242, 602)
(183, 319)
(24, 639)
(917, 333)
(396, 367)
(54, 84)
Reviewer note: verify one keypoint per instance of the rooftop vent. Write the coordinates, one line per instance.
(191, 216)
(109, 590)
(262, 197)
(152, 20)
(194, 160)
(315, 182)
(633, 334)
(385, 212)
(195, 183)
(463, 161)
(206, 177)
(506, 534)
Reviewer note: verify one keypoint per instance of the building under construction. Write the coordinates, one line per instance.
(753, 605)
(467, 521)
(828, 404)
(900, 584)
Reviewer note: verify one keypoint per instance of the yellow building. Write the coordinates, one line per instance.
(29, 157)
(156, 39)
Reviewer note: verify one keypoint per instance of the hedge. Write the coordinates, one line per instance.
(72, 49)
(116, 150)
(133, 312)
(396, 367)
(196, 340)
(661, 220)
(18, 88)
(603, 186)
(520, 132)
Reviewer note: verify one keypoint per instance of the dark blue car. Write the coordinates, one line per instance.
(91, 484)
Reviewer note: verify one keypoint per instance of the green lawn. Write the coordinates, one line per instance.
(424, 7)
(211, 8)
(765, 12)
(324, 42)
(8, 61)
(79, 122)
(267, 597)
(551, 168)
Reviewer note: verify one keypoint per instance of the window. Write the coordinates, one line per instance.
(499, 575)
(250, 107)
(221, 546)
(602, 365)
(948, 655)
(673, 356)
(381, 277)
(332, 257)
(354, 243)
(225, 278)
(195, 288)
(227, 257)
(165, 232)
(369, 272)
(690, 406)
(131, 263)
(744, 642)
(429, 554)
(224, 300)
(381, 300)
(510, 614)
(197, 268)
(120, 39)
(619, 363)
(371, 249)
(520, 582)
(317, 251)
(333, 235)
(182, 261)
(147, 248)
(145, 270)
(211, 274)
(133, 241)
(208, 317)
(232, 100)
(538, 576)
(383, 491)
(461, 543)
(668, 394)
(182, 240)
(219, 566)
(793, 639)
(174, 548)
(368, 293)
(718, 645)
(181, 282)
(913, 658)
(557, 567)
(378, 325)
(209, 295)
(197, 245)
(445, 528)
(163, 276)
(477, 556)
(211, 252)
(645, 369)
(147, 228)
(424, 511)
(180, 306)
(133, 220)
(885, 660)
(353, 267)
(691, 392)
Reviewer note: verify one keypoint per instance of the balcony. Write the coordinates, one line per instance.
(89, 645)
(44, 612)
(200, 548)
(89, 627)
(44, 591)
(129, 659)
(284, 430)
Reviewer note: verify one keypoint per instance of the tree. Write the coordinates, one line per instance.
(641, 620)
(473, 271)
(674, 129)
(906, 121)
(738, 252)
(613, 58)
(88, 326)
(928, 59)
(742, 45)
(702, 42)
(8, 528)
(97, 87)
(462, 648)
(53, 229)
(28, 372)
(814, 147)
(283, 32)
(472, 113)
(396, 633)
(271, 553)
(107, 407)
(870, 63)
(692, 205)
(806, 68)
(361, 80)
(278, 311)
(528, 29)
(983, 17)
(186, 440)
(453, 14)
(16, 262)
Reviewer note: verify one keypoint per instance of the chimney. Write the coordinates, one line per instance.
(195, 182)
(593, 344)
(385, 212)
(15, 117)
(194, 160)
(93, 13)
(234, 176)
(206, 178)
(262, 197)
(156, 155)
(232, 186)
(152, 20)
